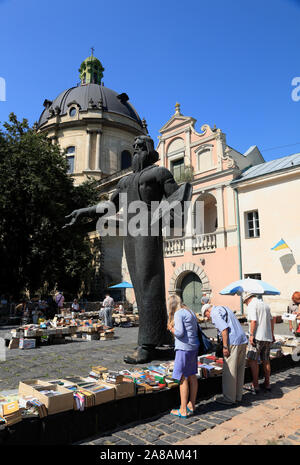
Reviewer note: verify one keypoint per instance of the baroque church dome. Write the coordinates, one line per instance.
(90, 94)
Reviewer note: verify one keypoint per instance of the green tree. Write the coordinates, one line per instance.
(35, 195)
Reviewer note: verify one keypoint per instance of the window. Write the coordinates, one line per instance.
(253, 276)
(125, 160)
(73, 111)
(252, 224)
(177, 168)
(71, 158)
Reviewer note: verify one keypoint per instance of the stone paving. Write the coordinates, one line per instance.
(77, 357)
(72, 358)
(213, 423)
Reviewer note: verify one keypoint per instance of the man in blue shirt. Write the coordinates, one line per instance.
(234, 351)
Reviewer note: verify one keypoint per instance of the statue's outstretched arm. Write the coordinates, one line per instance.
(93, 212)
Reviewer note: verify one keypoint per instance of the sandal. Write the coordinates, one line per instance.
(178, 414)
(190, 411)
(253, 390)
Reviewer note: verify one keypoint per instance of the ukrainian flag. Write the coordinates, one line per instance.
(280, 245)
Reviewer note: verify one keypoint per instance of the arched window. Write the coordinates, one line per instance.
(72, 112)
(71, 158)
(126, 160)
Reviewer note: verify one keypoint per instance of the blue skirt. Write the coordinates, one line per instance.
(185, 364)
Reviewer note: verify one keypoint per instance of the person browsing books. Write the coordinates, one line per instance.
(234, 351)
(183, 325)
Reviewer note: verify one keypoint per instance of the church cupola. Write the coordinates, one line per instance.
(91, 70)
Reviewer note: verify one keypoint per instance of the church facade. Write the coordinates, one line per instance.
(198, 264)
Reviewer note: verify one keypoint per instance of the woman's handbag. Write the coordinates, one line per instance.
(206, 345)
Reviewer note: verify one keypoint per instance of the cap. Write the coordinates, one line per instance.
(247, 295)
(204, 308)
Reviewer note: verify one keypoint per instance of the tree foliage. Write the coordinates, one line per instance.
(35, 195)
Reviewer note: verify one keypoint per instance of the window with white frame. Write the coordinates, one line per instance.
(71, 159)
(252, 224)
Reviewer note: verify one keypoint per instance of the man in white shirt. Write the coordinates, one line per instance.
(261, 338)
(107, 310)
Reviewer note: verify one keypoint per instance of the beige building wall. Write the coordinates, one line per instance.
(276, 198)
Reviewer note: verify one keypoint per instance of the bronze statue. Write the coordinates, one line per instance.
(144, 253)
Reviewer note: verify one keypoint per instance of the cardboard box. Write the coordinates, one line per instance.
(122, 390)
(90, 337)
(14, 343)
(27, 343)
(107, 395)
(54, 404)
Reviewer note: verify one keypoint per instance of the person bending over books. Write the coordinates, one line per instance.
(184, 326)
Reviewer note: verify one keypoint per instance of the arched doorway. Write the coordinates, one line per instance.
(191, 288)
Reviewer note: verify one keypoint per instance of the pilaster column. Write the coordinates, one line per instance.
(163, 154)
(220, 152)
(88, 150)
(188, 146)
(98, 151)
(189, 229)
(220, 232)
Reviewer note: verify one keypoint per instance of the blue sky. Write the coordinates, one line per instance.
(229, 63)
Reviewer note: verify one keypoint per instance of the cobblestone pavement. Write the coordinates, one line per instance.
(166, 429)
(76, 357)
(72, 358)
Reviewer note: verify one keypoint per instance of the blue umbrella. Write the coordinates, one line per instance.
(122, 285)
(256, 286)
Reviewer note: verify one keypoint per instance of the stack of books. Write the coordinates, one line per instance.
(78, 401)
(88, 397)
(97, 372)
(107, 334)
(206, 371)
(113, 377)
(33, 406)
(11, 413)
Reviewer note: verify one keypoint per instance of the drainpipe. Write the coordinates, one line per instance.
(239, 242)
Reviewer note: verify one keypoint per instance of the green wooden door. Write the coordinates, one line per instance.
(192, 292)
